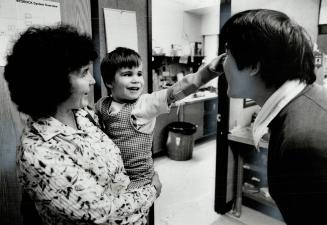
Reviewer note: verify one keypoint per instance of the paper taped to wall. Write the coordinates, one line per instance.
(121, 29)
(17, 15)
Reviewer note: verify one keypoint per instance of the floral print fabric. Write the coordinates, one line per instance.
(77, 176)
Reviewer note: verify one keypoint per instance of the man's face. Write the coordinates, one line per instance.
(240, 82)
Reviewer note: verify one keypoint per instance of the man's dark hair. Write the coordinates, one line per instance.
(119, 58)
(282, 48)
(38, 66)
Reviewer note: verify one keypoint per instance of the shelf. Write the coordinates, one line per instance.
(244, 135)
(259, 202)
(259, 169)
(259, 197)
(159, 60)
(176, 57)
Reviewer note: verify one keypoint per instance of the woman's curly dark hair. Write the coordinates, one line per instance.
(38, 66)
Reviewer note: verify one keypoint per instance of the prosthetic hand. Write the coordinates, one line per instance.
(216, 65)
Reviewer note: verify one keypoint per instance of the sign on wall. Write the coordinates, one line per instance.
(323, 12)
(17, 15)
(121, 29)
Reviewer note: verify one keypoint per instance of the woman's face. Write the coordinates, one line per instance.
(81, 83)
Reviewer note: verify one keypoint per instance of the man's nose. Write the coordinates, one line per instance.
(91, 79)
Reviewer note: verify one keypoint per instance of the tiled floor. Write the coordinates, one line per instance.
(187, 196)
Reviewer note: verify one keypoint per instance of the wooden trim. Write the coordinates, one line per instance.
(223, 203)
(96, 41)
(149, 30)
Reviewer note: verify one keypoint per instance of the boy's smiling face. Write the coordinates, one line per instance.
(127, 85)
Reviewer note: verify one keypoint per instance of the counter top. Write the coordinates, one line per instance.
(203, 95)
(244, 135)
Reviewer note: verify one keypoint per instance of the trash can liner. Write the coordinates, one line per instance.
(182, 127)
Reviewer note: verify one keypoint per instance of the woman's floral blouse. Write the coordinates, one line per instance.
(77, 176)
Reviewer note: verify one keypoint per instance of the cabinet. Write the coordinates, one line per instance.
(251, 174)
(203, 114)
(160, 132)
(200, 111)
(210, 116)
(193, 113)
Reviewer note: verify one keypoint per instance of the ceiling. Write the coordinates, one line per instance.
(189, 4)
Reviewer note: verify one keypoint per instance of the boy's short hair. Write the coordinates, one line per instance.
(119, 58)
(282, 48)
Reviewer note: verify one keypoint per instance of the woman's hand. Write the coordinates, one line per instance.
(156, 183)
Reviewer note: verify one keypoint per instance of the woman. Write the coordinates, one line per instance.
(68, 166)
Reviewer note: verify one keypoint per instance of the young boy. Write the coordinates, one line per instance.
(129, 117)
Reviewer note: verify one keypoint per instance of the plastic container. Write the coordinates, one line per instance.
(180, 140)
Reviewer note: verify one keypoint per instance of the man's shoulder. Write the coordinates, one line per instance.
(306, 116)
(317, 95)
(313, 100)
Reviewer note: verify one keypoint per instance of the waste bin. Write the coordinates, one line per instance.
(180, 140)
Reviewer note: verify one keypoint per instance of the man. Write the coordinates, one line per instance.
(270, 60)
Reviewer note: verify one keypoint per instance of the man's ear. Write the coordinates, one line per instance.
(255, 69)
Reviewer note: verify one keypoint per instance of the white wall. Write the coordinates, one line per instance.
(193, 4)
(192, 25)
(182, 22)
(211, 51)
(170, 25)
(210, 21)
(210, 31)
(211, 46)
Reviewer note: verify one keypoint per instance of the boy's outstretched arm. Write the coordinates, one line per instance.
(191, 82)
